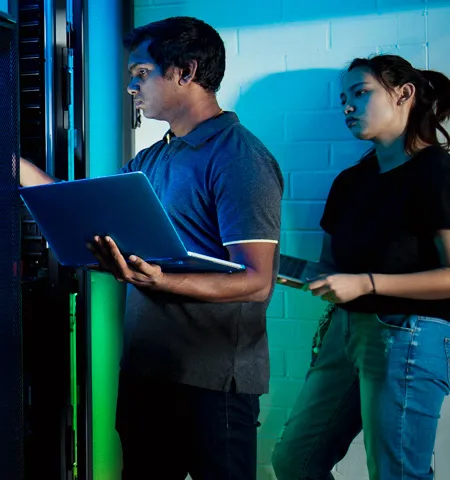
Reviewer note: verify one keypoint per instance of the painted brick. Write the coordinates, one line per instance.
(301, 156)
(149, 13)
(291, 334)
(301, 215)
(305, 245)
(285, 334)
(303, 305)
(265, 449)
(268, 129)
(287, 186)
(307, 92)
(230, 40)
(277, 363)
(151, 131)
(297, 363)
(354, 464)
(247, 70)
(169, 2)
(411, 27)
(265, 472)
(367, 31)
(329, 62)
(316, 126)
(251, 12)
(295, 10)
(311, 185)
(283, 80)
(400, 5)
(415, 54)
(272, 421)
(282, 393)
(276, 306)
(291, 38)
(439, 39)
(346, 154)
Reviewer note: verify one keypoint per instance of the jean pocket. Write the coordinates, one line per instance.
(399, 322)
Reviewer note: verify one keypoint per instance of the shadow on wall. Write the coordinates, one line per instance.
(267, 12)
(299, 117)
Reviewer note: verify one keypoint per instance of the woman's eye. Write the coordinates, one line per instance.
(359, 93)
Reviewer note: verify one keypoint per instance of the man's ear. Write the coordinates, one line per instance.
(187, 75)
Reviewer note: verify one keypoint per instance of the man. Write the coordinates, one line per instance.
(195, 356)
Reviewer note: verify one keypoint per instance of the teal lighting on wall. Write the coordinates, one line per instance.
(104, 127)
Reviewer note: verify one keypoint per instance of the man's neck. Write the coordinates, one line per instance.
(189, 116)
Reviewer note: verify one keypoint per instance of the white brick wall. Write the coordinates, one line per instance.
(283, 63)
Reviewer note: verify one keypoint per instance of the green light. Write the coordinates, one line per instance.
(73, 378)
(104, 129)
(106, 334)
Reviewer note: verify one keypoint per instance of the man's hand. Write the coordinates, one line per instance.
(137, 271)
(341, 288)
(251, 285)
(31, 175)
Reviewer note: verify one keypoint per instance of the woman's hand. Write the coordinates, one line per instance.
(341, 287)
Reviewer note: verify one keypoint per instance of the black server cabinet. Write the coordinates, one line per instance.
(11, 407)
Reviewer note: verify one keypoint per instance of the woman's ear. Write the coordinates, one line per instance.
(406, 93)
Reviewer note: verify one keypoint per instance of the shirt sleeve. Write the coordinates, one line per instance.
(330, 217)
(436, 196)
(133, 165)
(248, 200)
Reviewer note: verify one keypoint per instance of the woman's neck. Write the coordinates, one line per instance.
(391, 155)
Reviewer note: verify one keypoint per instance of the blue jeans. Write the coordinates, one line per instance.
(387, 376)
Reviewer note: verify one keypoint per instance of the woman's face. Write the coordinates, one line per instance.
(371, 112)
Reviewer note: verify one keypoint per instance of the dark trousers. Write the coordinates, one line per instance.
(170, 430)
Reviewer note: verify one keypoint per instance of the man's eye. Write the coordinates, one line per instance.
(142, 71)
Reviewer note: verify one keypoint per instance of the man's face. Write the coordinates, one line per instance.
(154, 94)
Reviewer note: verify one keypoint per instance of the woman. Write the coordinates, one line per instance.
(383, 365)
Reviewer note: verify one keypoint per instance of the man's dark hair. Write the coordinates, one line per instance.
(176, 41)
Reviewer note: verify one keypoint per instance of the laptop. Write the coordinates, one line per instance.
(123, 206)
(297, 272)
(291, 270)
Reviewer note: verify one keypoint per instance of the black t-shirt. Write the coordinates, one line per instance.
(387, 223)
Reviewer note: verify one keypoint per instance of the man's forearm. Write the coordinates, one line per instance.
(245, 286)
(31, 175)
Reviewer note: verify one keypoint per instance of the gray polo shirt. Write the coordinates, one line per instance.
(220, 186)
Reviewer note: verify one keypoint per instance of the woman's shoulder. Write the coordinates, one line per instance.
(366, 165)
(433, 158)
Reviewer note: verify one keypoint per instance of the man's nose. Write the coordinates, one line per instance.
(132, 88)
